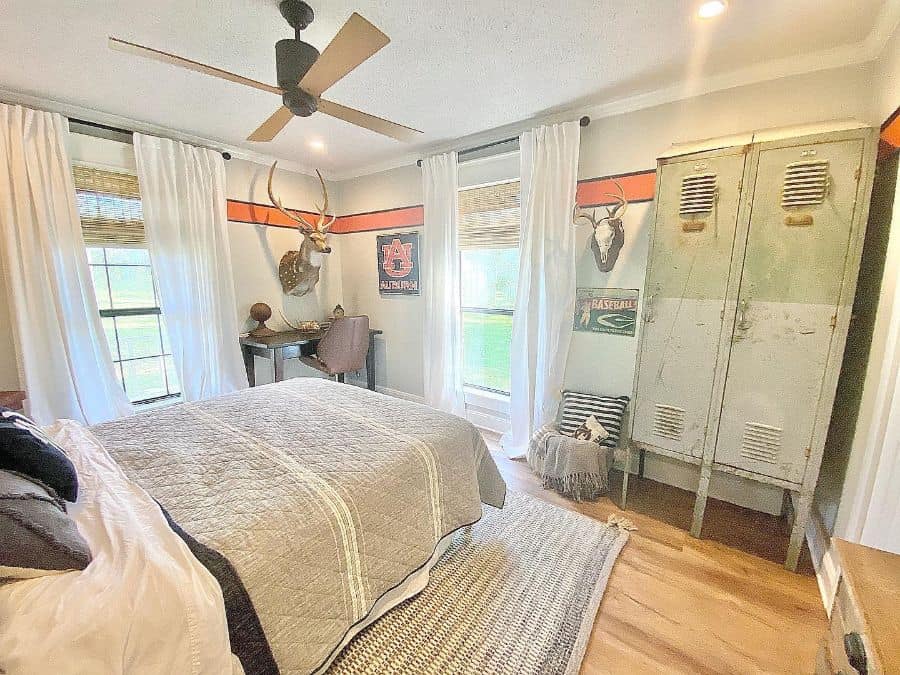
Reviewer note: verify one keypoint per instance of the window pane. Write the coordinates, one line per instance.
(101, 287)
(489, 277)
(144, 378)
(131, 287)
(167, 347)
(172, 375)
(138, 336)
(95, 255)
(127, 256)
(486, 339)
(109, 327)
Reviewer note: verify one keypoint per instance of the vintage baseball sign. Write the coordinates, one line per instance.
(606, 310)
(398, 263)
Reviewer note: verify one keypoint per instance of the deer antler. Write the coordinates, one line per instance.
(578, 214)
(622, 203)
(321, 225)
(297, 218)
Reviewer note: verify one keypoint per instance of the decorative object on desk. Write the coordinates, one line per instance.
(303, 326)
(398, 263)
(298, 271)
(337, 312)
(261, 312)
(606, 310)
(609, 232)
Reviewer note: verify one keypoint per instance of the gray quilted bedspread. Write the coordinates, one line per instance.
(322, 496)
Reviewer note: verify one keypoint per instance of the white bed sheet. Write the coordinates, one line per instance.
(143, 605)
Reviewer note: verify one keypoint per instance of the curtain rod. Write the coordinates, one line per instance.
(118, 130)
(584, 121)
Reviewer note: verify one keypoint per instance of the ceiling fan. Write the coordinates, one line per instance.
(303, 73)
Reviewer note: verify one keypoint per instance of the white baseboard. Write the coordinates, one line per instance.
(499, 425)
(824, 558)
(396, 393)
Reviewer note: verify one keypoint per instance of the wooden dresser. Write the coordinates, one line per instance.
(864, 636)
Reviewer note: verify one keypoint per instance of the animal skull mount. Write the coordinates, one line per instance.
(609, 232)
(296, 271)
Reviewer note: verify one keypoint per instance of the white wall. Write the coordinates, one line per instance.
(613, 145)
(398, 352)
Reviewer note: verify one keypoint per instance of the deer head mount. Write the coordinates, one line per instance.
(609, 232)
(297, 273)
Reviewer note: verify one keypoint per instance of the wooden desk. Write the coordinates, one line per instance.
(293, 344)
(12, 399)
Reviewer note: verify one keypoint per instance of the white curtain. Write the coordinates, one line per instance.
(183, 196)
(545, 298)
(64, 359)
(440, 271)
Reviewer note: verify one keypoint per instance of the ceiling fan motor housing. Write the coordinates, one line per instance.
(292, 59)
(299, 102)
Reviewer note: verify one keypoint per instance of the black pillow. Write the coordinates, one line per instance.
(38, 536)
(24, 448)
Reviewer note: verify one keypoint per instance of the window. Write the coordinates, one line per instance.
(109, 204)
(489, 274)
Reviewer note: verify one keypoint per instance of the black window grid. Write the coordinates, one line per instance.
(115, 313)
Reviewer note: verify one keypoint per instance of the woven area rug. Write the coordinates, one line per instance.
(515, 594)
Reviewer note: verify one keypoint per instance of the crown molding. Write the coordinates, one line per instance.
(74, 111)
(867, 50)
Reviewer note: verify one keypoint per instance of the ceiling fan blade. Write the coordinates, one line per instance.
(272, 126)
(196, 66)
(367, 121)
(355, 42)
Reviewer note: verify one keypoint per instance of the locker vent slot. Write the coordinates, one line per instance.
(761, 442)
(805, 184)
(668, 421)
(698, 194)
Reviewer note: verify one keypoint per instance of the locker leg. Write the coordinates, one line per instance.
(628, 455)
(798, 531)
(700, 501)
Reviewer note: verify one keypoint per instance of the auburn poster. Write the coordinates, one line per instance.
(398, 263)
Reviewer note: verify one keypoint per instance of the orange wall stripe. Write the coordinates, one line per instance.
(638, 186)
(260, 214)
(890, 135)
(408, 216)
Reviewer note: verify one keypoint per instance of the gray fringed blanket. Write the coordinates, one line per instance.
(575, 468)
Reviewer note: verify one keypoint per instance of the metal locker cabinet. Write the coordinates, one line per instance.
(690, 261)
(795, 262)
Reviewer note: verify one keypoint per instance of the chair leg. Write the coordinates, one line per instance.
(340, 378)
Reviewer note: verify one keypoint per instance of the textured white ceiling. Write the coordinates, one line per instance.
(452, 68)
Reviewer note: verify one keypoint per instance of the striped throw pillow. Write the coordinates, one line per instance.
(609, 410)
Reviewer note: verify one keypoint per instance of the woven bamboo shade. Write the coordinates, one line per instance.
(489, 216)
(109, 203)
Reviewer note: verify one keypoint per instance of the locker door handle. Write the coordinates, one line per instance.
(742, 323)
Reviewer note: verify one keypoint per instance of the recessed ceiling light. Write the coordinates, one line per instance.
(317, 145)
(711, 8)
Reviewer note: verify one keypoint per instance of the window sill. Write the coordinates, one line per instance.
(487, 400)
(162, 403)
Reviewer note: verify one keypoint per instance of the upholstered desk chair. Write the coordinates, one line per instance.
(343, 348)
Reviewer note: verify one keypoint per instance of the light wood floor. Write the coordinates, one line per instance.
(675, 604)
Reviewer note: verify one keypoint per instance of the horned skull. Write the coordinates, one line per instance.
(296, 271)
(609, 232)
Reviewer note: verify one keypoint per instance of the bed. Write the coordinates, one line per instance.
(329, 501)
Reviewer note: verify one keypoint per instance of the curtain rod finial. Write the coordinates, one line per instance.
(226, 156)
(418, 162)
(584, 121)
